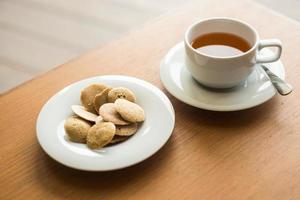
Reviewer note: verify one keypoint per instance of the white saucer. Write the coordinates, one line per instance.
(256, 90)
(151, 136)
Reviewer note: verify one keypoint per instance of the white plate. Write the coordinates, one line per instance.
(256, 90)
(151, 136)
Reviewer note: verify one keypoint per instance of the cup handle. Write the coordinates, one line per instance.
(269, 43)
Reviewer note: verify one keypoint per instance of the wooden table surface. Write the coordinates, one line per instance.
(251, 154)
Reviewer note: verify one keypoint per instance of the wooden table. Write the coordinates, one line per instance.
(251, 154)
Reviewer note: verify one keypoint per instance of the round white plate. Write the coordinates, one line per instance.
(256, 90)
(152, 134)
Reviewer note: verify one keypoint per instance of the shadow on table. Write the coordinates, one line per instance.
(215, 132)
(60, 180)
(231, 120)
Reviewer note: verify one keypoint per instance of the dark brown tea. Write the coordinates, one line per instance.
(220, 44)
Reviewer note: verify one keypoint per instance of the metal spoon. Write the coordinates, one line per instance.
(281, 86)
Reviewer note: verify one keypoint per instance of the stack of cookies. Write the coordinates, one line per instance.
(107, 116)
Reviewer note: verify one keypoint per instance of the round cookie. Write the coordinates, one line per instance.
(101, 99)
(120, 93)
(83, 113)
(88, 95)
(77, 129)
(110, 114)
(126, 130)
(100, 135)
(129, 111)
(118, 139)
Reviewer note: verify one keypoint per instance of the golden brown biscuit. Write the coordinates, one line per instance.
(126, 130)
(101, 99)
(109, 114)
(88, 95)
(100, 135)
(129, 111)
(77, 129)
(83, 113)
(118, 139)
(120, 93)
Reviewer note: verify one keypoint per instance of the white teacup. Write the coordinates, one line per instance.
(226, 72)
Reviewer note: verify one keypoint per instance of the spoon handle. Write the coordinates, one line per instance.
(281, 86)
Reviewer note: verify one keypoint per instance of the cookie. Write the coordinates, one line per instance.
(109, 114)
(83, 113)
(77, 129)
(99, 119)
(120, 93)
(129, 111)
(88, 95)
(101, 99)
(100, 135)
(126, 130)
(118, 139)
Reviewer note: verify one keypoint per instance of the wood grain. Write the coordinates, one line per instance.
(251, 154)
